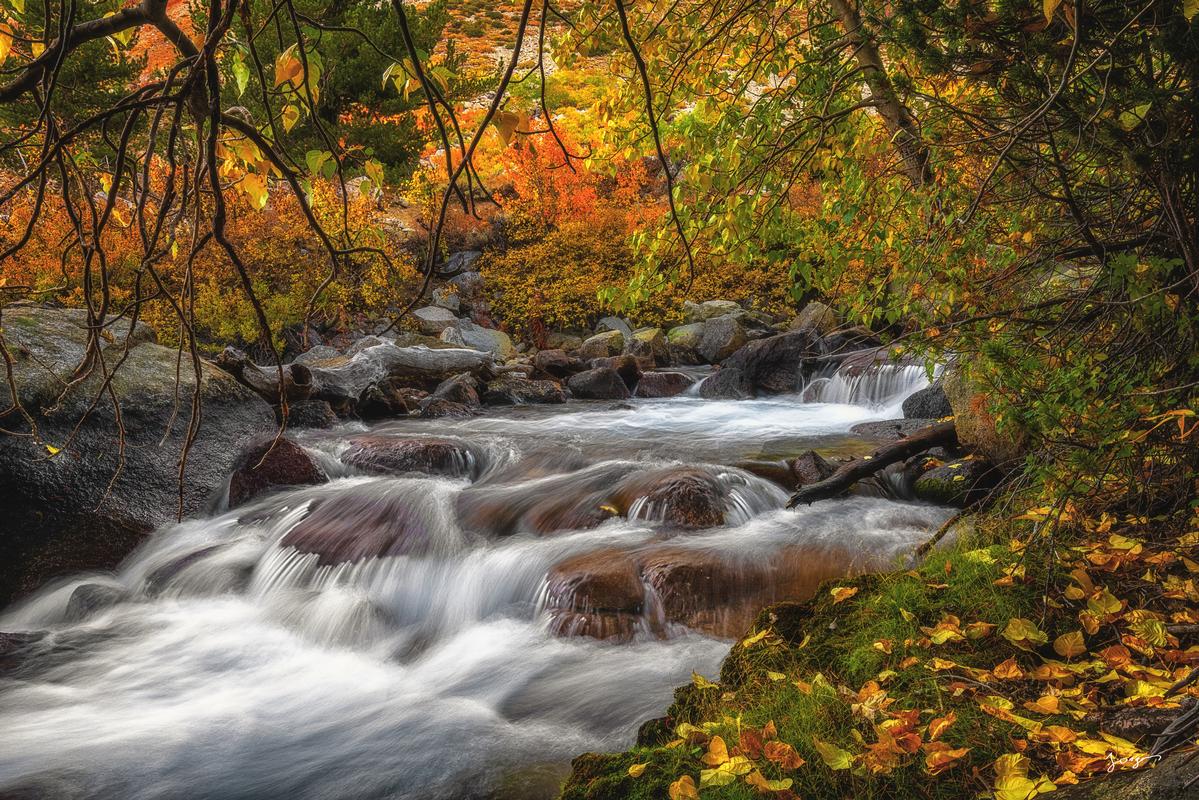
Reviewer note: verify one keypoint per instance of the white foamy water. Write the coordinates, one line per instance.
(229, 666)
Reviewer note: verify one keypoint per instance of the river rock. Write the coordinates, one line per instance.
(488, 340)
(514, 390)
(649, 344)
(849, 340)
(432, 320)
(602, 345)
(701, 312)
(438, 408)
(811, 467)
(353, 526)
(929, 403)
(556, 364)
(90, 598)
(461, 389)
(663, 384)
(602, 383)
(678, 497)
(614, 324)
(313, 414)
(391, 455)
(66, 513)
(957, 483)
(576, 500)
(447, 297)
(626, 366)
(270, 463)
(558, 340)
(597, 594)
(778, 364)
(686, 336)
(815, 316)
(722, 337)
(384, 400)
(727, 383)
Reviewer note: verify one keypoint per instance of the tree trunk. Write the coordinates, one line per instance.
(905, 132)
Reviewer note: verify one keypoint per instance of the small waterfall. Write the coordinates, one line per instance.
(878, 386)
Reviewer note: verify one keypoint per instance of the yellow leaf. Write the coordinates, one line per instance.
(5, 41)
(842, 593)
(254, 185)
(52, 450)
(775, 676)
(1024, 634)
(637, 770)
(1104, 603)
(758, 781)
(1050, 7)
(833, 756)
(757, 637)
(703, 683)
(291, 115)
(1069, 645)
(717, 754)
(939, 756)
(939, 725)
(683, 789)
(1012, 781)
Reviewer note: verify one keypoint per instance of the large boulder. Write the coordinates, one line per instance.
(928, 403)
(461, 389)
(663, 384)
(393, 455)
(728, 383)
(648, 344)
(359, 525)
(602, 345)
(488, 340)
(559, 340)
(72, 498)
(815, 316)
(778, 364)
(678, 497)
(602, 383)
(701, 312)
(447, 297)
(688, 335)
(722, 337)
(271, 463)
(977, 429)
(556, 364)
(515, 390)
(627, 366)
(432, 320)
(597, 594)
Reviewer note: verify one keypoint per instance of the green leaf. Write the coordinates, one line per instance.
(833, 756)
(241, 73)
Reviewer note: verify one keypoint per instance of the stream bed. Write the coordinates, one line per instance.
(219, 663)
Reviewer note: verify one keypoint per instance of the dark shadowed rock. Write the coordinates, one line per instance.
(514, 390)
(267, 464)
(383, 400)
(777, 364)
(649, 344)
(626, 366)
(663, 384)
(67, 512)
(849, 340)
(957, 483)
(313, 414)
(437, 408)
(461, 389)
(811, 467)
(815, 316)
(556, 364)
(394, 455)
(351, 527)
(728, 383)
(603, 383)
(91, 598)
(598, 594)
(929, 403)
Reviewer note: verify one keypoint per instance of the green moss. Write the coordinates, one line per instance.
(837, 642)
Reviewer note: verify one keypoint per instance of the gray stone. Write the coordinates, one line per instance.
(559, 340)
(663, 384)
(777, 364)
(929, 403)
(699, 312)
(602, 383)
(688, 336)
(722, 337)
(432, 320)
(75, 510)
(649, 343)
(602, 345)
(614, 324)
(815, 316)
(956, 483)
(447, 297)
(489, 340)
(514, 390)
(728, 383)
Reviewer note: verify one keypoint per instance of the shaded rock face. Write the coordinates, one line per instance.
(777, 364)
(626, 366)
(488, 340)
(432, 320)
(614, 324)
(267, 464)
(513, 390)
(598, 594)
(460, 389)
(313, 414)
(602, 383)
(700, 312)
(663, 384)
(438, 408)
(556, 364)
(60, 514)
(976, 427)
(649, 345)
(388, 455)
(815, 316)
(957, 483)
(811, 467)
(349, 528)
(729, 383)
(930, 403)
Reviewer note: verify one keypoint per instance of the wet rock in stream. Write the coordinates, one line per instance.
(390, 455)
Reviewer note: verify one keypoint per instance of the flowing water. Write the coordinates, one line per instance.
(224, 665)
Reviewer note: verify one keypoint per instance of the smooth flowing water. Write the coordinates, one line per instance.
(224, 665)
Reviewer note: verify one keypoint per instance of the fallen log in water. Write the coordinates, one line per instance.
(942, 434)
